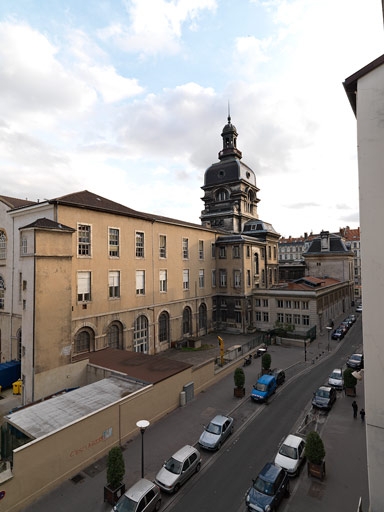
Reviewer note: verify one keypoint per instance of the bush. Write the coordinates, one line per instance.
(115, 467)
(266, 361)
(239, 377)
(349, 380)
(314, 448)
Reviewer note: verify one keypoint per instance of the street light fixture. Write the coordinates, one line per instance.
(142, 425)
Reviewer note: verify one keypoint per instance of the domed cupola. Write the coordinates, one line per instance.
(230, 187)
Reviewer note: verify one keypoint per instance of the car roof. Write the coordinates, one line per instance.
(336, 370)
(138, 489)
(292, 440)
(184, 452)
(266, 378)
(356, 355)
(270, 471)
(325, 388)
(220, 419)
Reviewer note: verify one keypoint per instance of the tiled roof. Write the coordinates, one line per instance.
(309, 283)
(14, 202)
(44, 223)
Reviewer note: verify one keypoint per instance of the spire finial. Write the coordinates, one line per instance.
(229, 113)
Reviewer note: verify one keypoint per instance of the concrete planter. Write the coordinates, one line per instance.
(316, 470)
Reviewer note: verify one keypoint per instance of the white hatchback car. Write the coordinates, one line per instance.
(291, 454)
(336, 379)
(181, 466)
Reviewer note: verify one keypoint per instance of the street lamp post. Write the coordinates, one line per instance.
(142, 425)
(329, 329)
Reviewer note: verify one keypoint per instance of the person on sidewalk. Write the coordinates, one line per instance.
(362, 415)
(354, 407)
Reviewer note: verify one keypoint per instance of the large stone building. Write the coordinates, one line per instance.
(80, 273)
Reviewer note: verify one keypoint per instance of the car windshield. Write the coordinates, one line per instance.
(323, 393)
(355, 358)
(125, 504)
(263, 486)
(213, 428)
(261, 387)
(335, 375)
(173, 465)
(288, 451)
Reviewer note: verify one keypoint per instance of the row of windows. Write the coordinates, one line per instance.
(294, 319)
(292, 304)
(85, 338)
(84, 244)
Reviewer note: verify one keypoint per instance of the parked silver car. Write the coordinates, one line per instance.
(181, 466)
(144, 496)
(336, 379)
(216, 432)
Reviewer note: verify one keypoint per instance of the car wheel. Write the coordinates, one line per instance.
(198, 467)
(158, 505)
(176, 488)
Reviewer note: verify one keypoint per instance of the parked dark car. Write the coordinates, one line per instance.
(324, 397)
(279, 375)
(356, 361)
(268, 489)
(338, 334)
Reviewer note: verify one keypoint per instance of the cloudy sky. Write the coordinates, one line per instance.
(127, 99)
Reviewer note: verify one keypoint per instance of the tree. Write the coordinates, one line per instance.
(115, 467)
(239, 377)
(314, 448)
(266, 361)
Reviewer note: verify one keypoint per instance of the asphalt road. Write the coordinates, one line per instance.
(227, 474)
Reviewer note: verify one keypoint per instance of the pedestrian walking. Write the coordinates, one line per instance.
(354, 407)
(362, 415)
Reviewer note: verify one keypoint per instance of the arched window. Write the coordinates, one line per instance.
(114, 336)
(222, 195)
(140, 335)
(202, 316)
(84, 340)
(2, 292)
(164, 327)
(3, 245)
(187, 321)
(250, 199)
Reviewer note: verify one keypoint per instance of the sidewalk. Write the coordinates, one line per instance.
(343, 436)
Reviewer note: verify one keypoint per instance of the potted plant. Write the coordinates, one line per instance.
(239, 378)
(349, 382)
(315, 453)
(115, 488)
(266, 363)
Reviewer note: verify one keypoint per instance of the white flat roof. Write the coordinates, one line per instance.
(54, 413)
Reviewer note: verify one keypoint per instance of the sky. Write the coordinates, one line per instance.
(128, 98)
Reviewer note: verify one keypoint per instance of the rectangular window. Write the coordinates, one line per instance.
(237, 278)
(265, 317)
(114, 242)
(305, 319)
(288, 318)
(257, 303)
(296, 319)
(201, 249)
(248, 277)
(280, 303)
(185, 247)
(238, 317)
(236, 251)
(213, 250)
(163, 280)
(265, 303)
(201, 278)
(280, 317)
(223, 315)
(3, 245)
(296, 304)
(213, 278)
(223, 278)
(248, 251)
(114, 284)
(222, 252)
(288, 304)
(83, 286)
(83, 240)
(23, 246)
(237, 303)
(139, 244)
(185, 279)
(304, 305)
(140, 282)
(258, 316)
(162, 246)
